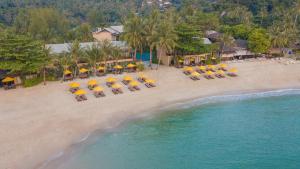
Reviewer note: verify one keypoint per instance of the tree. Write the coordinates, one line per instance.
(259, 41)
(21, 54)
(75, 53)
(133, 32)
(151, 24)
(226, 41)
(93, 55)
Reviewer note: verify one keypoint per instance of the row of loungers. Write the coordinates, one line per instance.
(209, 72)
(111, 82)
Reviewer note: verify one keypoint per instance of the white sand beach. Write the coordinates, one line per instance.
(37, 123)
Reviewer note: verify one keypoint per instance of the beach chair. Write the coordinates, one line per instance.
(131, 68)
(211, 68)
(201, 69)
(83, 73)
(68, 75)
(117, 89)
(9, 83)
(110, 81)
(220, 74)
(180, 63)
(142, 78)
(74, 87)
(232, 72)
(192, 61)
(92, 84)
(98, 92)
(126, 80)
(195, 76)
(80, 95)
(150, 83)
(223, 67)
(118, 69)
(133, 86)
(188, 70)
(101, 71)
(209, 75)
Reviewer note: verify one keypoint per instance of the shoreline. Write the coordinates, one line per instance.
(88, 138)
(36, 123)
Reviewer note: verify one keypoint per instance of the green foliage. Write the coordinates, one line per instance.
(259, 41)
(32, 82)
(140, 66)
(21, 54)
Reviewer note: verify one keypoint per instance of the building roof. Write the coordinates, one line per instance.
(116, 30)
(64, 47)
(206, 41)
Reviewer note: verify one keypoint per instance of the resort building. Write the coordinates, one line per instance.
(238, 51)
(111, 33)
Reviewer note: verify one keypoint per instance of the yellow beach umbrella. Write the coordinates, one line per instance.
(195, 74)
(98, 89)
(233, 70)
(116, 86)
(150, 81)
(130, 65)
(80, 92)
(180, 61)
(209, 73)
(213, 58)
(142, 75)
(134, 83)
(223, 65)
(202, 68)
(202, 59)
(111, 80)
(118, 67)
(188, 69)
(8, 79)
(67, 72)
(101, 68)
(211, 67)
(74, 85)
(127, 78)
(192, 59)
(220, 72)
(92, 82)
(83, 70)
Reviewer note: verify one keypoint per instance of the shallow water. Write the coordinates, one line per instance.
(256, 132)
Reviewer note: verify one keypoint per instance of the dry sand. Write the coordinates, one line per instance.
(37, 123)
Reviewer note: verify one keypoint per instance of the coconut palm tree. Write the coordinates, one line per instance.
(165, 38)
(151, 24)
(226, 40)
(133, 33)
(65, 62)
(94, 54)
(75, 52)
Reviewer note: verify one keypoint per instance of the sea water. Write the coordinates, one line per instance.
(257, 131)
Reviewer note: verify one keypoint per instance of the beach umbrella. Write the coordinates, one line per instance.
(111, 80)
(142, 76)
(101, 68)
(220, 72)
(98, 89)
(192, 59)
(223, 65)
(213, 58)
(8, 79)
(134, 83)
(202, 68)
(202, 59)
(127, 78)
(92, 82)
(188, 69)
(130, 65)
(74, 85)
(211, 67)
(233, 70)
(116, 86)
(150, 81)
(209, 73)
(118, 67)
(180, 61)
(195, 74)
(67, 72)
(80, 92)
(83, 70)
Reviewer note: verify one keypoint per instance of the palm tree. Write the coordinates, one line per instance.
(165, 38)
(75, 52)
(133, 32)
(93, 55)
(106, 47)
(47, 62)
(151, 23)
(65, 61)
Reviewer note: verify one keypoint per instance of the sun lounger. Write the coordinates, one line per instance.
(232, 72)
(80, 95)
(150, 83)
(209, 75)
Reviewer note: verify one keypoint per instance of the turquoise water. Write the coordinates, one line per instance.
(243, 133)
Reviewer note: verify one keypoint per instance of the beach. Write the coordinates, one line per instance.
(40, 122)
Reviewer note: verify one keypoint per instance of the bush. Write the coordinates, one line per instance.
(140, 66)
(32, 82)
